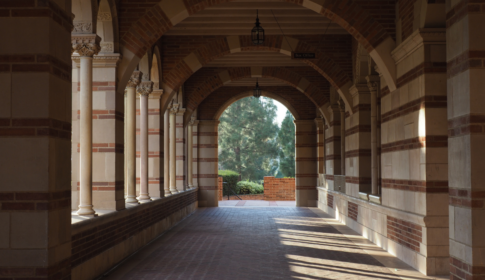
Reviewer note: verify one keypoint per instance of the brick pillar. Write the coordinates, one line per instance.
(321, 145)
(357, 134)
(466, 124)
(155, 145)
(332, 146)
(195, 154)
(208, 163)
(180, 150)
(306, 163)
(35, 141)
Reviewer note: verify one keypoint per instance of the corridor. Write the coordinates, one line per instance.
(261, 243)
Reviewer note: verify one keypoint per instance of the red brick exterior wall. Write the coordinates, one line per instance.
(91, 242)
(219, 183)
(404, 233)
(279, 189)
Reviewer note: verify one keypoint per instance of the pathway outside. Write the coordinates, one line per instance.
(254, 242)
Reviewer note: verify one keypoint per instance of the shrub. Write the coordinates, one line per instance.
(231, 178)
(246, 187)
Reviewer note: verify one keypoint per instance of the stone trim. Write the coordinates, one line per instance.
(35, 201)
(466, 125)
(353, 210)
(430, 141)
(470, 59)
(416, 185)
(415, 105)
(90, 241)
(404, 233)
(467, 198)
(35, 128)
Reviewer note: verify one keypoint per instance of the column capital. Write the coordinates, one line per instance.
(86, 45)
(319, 121)
(145, 88)
(156, 94)
(193, 121)
(134, 80)
(341, 105)
(373, 82)
(174, 109)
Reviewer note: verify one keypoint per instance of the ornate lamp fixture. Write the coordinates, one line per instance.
(257, 34)
(257, 90)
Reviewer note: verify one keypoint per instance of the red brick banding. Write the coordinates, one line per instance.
(329, 200)
(353, 210)
(40, 127)
(430, 141)
(35, 201)
(424, 102)
(460, 270)
(466, 198)
(404, 233)
(466, 125)
(416, 185)
(358, 180)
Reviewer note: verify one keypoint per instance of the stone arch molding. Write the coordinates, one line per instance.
(224, 77)
(249, 93)
(168, 13)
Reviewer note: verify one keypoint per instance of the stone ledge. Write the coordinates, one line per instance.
(416, 40)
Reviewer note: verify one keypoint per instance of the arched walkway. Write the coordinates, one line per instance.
(160, 18)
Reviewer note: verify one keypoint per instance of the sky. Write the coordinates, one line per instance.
(280, 114)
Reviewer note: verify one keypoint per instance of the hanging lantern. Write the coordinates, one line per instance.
(257, 34)
(257, 90)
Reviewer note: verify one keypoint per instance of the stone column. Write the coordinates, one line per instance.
(155, 145)
(333, 147)
(342, 136)
(195, 154)
(208, 159)
(130, 147)
(86, 51)
(466, 132)
(306, 170)
(373, 83)
(180, 150)
(144, 89)
(173, 174)
(190, 151)
(166, 153)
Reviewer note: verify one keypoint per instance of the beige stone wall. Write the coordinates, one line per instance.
(306, 172)
(208, 163)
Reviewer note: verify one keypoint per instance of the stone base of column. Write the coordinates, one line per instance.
(306, 198)
(168, 194)
(208, 198)
(86, 210)
(132, 200)
(144, 200)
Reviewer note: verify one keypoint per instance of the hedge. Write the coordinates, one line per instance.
(246, 187)
(231, 178)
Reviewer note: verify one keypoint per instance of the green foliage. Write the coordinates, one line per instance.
(286, 142)
(247, 138)
(231, 178)
(246, 187)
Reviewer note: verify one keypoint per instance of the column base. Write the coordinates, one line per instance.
(167, 194)
(174, 191)
(86, 210)
(131, 200)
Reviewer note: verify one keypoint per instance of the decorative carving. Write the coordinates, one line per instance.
(134, 79)
(85, 44)
(83, 27)
(145, 77)
(107, 47)
(145, 88)
(192, 120)
(373, 85)
(104, 16)
(174, 109)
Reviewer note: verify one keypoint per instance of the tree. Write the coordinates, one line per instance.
(286, 142)
(247, 138)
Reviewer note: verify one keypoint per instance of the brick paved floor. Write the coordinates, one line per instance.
(260, 243)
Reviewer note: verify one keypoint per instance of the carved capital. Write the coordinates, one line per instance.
(174, 109)
(192, 121)
(134, 80)
(145, 88)
(373, 82)
(85, 44)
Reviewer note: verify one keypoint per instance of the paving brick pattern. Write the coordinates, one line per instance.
(253, 243)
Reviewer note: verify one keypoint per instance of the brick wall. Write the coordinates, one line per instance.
(245, 197)
(406, 15)
(279, 189)
(220, 185)
(92, 241)
(404, 233)
(353, 211)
